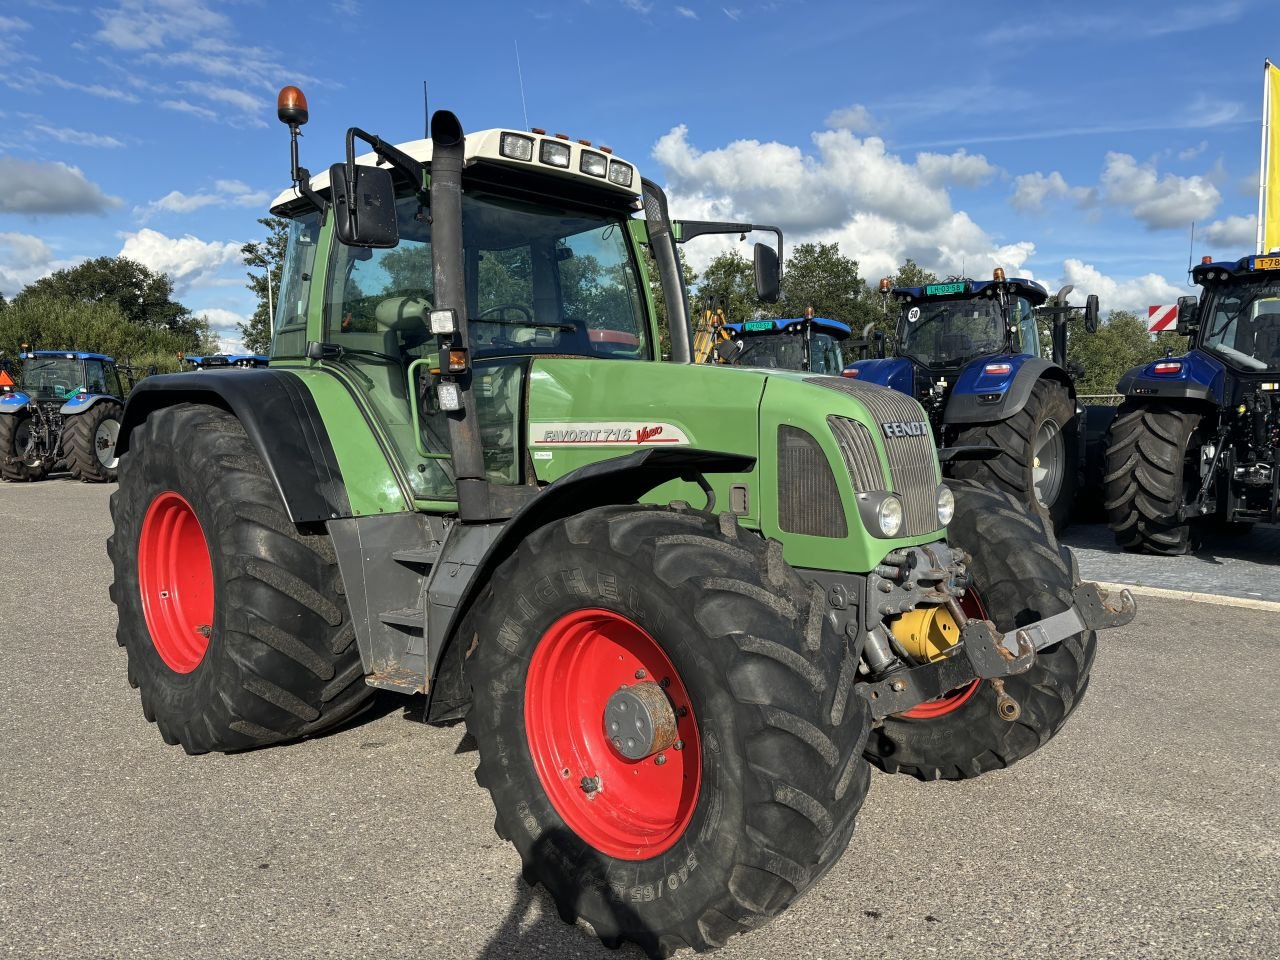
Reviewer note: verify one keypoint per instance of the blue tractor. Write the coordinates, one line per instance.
(218, 361)
(1003, 415)
(67, 409)
(804, 343)
(1197, 437)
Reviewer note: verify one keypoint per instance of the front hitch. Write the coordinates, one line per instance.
(985, 653)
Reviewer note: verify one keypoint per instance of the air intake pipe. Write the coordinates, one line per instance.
(447, 146)
(662, 243)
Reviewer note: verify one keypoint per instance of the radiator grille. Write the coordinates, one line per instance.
(913, 465)
(808, 499)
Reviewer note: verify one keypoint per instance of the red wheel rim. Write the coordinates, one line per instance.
(640, 807)
(175, 577)
(957, 698)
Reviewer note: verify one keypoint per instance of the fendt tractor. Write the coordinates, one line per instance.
(67, 409)
(679, 605)
(1196, 440)
(1006, 417)
(803, 343)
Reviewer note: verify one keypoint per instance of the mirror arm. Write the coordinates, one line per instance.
(388, 152)
(698, 228)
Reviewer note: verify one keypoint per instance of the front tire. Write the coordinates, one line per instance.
(1148, 475)
(760, 802)
(1040, 458)
(89, 442)
(1020, 573)
(234, 619)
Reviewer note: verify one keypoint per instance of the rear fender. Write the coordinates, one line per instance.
(280, 416)
(14, 402)
(82, 402)
(1201, 377)
(618, 480)
(981, 397)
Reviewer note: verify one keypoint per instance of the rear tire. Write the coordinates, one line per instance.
(234, 619)
(1020, 573)
(1041, 450)
(778, 778)
(1148, 476)
(13, 437)
(89, 442)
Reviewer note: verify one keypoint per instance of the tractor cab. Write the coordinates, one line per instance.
(812, 344)
(1239, 320)
(56, 375)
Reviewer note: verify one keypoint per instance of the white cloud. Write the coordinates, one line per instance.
(1031, 190)
(1134, 294)
(733, 13)
(33, 80)
(686, 12)
(1160, 202)
(223, 324)
(190, 261)
(182, 106)
(37, 186)
(638, 6)
(245, 102)
(1231, 233)
(79, 138)
(233, 193)
(1190, 153)
(151, 24)
(855, 118)
(878, 206)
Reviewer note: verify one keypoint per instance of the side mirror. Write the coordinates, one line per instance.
(728, 351)
(768, 274)
(364, 206)
(1187, 316)
(1091, 313)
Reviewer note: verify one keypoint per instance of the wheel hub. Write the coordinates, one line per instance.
(639, 720)
(926, 633)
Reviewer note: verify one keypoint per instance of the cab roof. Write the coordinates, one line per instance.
(968, 288)
(1245, 266)
(67, 355)
(793, 325)
(484, 145)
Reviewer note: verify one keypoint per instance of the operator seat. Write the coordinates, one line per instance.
(1265, 332)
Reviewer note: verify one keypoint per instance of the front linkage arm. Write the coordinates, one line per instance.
(985, 653)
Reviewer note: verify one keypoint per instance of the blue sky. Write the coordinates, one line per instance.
(1074, 142)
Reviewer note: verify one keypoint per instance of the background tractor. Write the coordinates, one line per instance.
(217, 361)
(1197, 437)
(670, 599)
(813, 344)
(970, 352)
(67, 408)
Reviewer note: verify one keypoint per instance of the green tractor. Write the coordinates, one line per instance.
(683, 608)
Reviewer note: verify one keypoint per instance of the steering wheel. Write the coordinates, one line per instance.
(503, 308)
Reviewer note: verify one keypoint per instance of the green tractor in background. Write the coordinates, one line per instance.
(681, 607)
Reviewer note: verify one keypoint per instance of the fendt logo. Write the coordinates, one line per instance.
(900, 428)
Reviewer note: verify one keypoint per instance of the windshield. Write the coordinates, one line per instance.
(1244, 325)
(775, 351)
(946, 332)
(539, 279)
(52, 377)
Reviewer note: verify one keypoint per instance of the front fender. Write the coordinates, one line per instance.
(981, 397)
(1200, 377)
(82, 402)
(897, 373)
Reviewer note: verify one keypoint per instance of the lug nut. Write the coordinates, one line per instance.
(640, 674)
(660, 759)
(898, 686)
(678, 745)
(590, 784)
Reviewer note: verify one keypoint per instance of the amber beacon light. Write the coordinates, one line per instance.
(291, 106)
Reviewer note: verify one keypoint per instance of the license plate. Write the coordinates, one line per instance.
(942, 289)
(751, 326)
(1266, 263)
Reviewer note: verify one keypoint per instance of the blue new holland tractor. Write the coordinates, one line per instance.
(1003, 415)
(803, 343)
(1197, 437)
(218, 361)
(66, 409)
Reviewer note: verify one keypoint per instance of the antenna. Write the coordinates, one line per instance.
(426, 114)
(520, 75)
(1191, 249)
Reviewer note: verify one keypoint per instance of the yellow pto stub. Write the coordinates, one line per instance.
(926, 633)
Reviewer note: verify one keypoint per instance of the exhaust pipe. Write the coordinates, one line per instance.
(450, 293)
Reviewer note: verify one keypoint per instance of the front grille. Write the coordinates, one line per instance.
(913, 465)
(808, 499)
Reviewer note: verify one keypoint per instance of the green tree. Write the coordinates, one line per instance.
(1120, 343)
(264, 258)
(729, 282)
(818, 275)
(911, 274)
(143, 297)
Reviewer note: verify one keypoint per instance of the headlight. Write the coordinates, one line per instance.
(516, 147)
(946, 505)
(555, 153)
(889, 516)
(594, 164)
(619, 173)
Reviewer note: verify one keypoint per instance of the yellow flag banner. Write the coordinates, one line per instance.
(1269, 202)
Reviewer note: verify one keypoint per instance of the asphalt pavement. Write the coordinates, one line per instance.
(1146, 829)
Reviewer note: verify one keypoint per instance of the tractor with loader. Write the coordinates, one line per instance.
(1005, 416)
(683, 608)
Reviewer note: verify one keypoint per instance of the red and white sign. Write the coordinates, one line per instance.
(1162, 319)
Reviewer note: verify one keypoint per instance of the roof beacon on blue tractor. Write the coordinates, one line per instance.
(1197, 437)
(969, 351)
